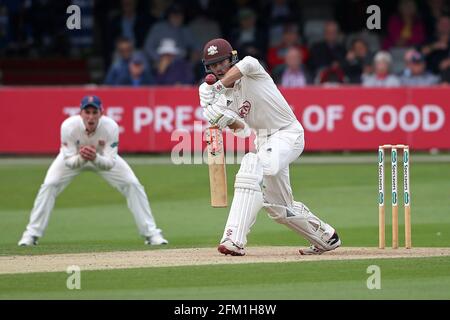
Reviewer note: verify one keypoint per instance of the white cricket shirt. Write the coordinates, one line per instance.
(105, 138)
(257, 100)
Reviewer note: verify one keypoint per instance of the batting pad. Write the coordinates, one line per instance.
(300, 219)
(247, 200)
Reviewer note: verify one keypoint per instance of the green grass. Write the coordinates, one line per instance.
(91, 216)
(287, 281)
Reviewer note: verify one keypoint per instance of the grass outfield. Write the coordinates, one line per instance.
(400, 279)
(91, 216)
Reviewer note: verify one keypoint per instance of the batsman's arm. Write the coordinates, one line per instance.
(240, 129)
(246, 67)
(231, 77)
(237, 125)
(225, 117)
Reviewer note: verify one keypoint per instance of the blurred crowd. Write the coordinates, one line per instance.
(308, 42)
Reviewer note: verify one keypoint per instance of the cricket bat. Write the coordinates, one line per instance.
(216, 164)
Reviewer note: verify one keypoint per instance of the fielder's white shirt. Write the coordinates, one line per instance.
(257, 100)
(105, 138)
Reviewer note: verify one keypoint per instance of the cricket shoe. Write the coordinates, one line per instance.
(229, 247)
(156, 239)
(333, 243)
(28, 241)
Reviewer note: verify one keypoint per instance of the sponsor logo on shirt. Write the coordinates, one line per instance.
(244, 110)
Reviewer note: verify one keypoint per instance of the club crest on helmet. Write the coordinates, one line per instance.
(212, 50)
(218, 50)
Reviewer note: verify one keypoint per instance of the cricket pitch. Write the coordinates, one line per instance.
(196, 256)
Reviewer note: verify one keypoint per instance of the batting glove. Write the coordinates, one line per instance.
(218, 116)
(228, 118)
(206, 93)
(218, 87)
(243, 133)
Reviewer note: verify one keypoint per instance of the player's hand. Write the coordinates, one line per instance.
(206, 93)
(228, 118)
(244, 132)
(218, 116)
(218, 87)
(88, 153)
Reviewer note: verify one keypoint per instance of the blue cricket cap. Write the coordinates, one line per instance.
(91, 101)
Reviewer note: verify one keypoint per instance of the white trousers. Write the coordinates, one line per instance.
(271, 166)
(276, 153)
(120, 177)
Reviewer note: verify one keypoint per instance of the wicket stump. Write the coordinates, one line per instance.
(406, 195)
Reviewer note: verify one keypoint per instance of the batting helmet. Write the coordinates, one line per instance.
(218, 50)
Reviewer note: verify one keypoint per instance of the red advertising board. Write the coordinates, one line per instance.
(157, 119)
(363, 118)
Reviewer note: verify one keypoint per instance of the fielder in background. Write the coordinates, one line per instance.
(89, 141)
(245, 98)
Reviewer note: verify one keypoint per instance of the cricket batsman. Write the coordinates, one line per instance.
(245, 98)
(89, 141)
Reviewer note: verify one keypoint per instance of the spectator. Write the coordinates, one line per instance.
(157, 9)
(438, 49)
(138, 72)
(406, 28)
(172, 28)
(129, 24)
(171, 68)
(445, 68)
(221, 12)
(441, 54)
(204, 27)
(212, 9)
(381, 76)
(292, 74)
(248, 39)
(415, 73)
(331, 76)
(119, 69)
(37, 29)
(329, 52)
(291, 38)
(433, 10)
(276, 13)
(357, 61)
(445, 76)
(372, 39)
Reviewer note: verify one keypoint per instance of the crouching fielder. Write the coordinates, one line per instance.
(245, 98)
(89, 141)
